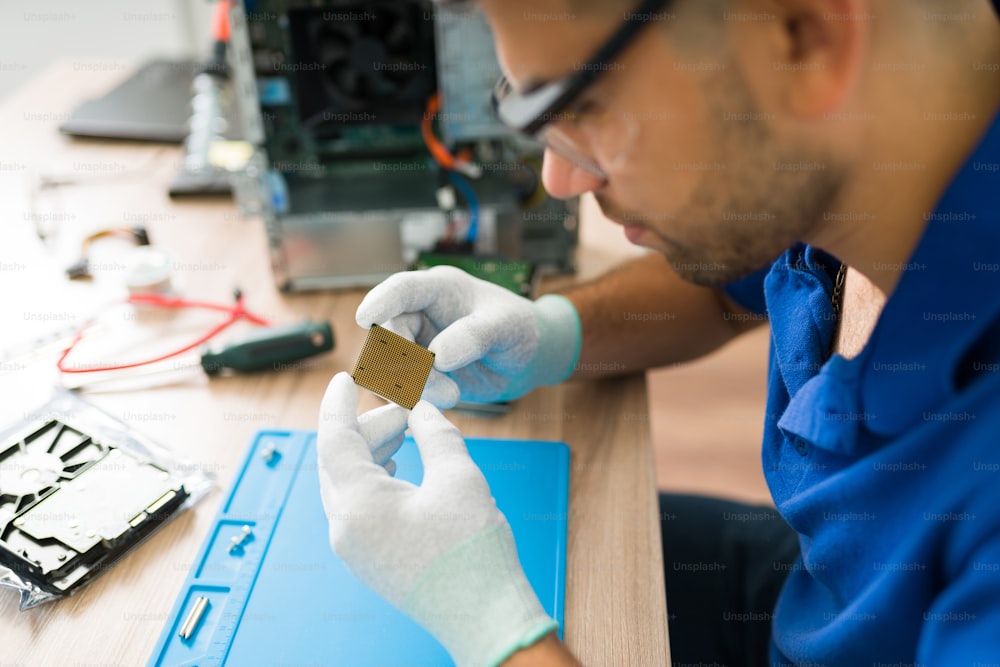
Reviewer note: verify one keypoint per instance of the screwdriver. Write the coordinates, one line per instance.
(272, 348)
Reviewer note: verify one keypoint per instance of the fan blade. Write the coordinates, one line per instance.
(333, 53)
(348, 30)
(347, 80)
(386, 83)
(399, 38)
(324, 29)
(381, 21)
(398, 71)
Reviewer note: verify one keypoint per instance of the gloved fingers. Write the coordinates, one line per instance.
(390, 467)
(441, 390)
(339, 409)
(407, 325)
(466, 341)
(480, 384)
(441, 445)
(413, 326)
(343, 454)
(407, 292)
(388, 449)
(383, 429)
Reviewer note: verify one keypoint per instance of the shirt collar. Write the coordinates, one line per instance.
(948, 295)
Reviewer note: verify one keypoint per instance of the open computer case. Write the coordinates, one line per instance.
(346, 104)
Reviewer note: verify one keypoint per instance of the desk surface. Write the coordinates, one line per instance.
(615, 605)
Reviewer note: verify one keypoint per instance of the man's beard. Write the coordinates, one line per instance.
(740, 219)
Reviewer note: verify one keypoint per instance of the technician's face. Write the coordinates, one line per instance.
(711, 180)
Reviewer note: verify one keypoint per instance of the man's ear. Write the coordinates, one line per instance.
(815, 52)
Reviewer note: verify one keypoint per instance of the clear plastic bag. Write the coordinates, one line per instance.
(79, 489)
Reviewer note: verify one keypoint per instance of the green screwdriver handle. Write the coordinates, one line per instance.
(271, 349)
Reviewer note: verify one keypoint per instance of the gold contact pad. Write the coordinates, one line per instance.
(393, 367)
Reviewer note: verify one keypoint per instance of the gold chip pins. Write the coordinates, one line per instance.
(393, 367)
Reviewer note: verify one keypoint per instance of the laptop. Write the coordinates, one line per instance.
(153, 104)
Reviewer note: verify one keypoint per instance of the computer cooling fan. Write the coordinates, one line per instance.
(363, 63)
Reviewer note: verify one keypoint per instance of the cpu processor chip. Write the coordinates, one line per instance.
(393, 367)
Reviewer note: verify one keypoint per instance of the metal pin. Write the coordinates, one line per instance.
(193, 617)
(238, 540)
(269, 452)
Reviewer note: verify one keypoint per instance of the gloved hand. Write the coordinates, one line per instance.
(492, 343)
(441, 552)
(384, 429)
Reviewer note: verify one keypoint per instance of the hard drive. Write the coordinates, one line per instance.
(72, 503)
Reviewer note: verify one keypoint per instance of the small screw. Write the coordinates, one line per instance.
(238, 540)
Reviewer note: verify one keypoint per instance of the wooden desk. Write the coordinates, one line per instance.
(615, 607)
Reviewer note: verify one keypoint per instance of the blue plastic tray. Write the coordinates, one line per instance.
(283, 597)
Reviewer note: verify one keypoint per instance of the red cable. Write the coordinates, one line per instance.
(220, 23)
(236, 313)
(175, 302)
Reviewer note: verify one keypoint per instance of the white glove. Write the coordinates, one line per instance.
(384, 429)
(442, 552)
(493, 344)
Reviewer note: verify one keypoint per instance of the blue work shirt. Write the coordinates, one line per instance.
(888, 465)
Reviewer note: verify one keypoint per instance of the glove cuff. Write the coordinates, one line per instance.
(478, 603)
(560, 336)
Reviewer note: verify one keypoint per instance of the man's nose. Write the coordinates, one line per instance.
(563, 179)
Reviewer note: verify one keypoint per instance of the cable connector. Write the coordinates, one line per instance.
(79, 270)
(470, 169)
(446, 199)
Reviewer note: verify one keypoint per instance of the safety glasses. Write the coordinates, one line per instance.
(568, 116)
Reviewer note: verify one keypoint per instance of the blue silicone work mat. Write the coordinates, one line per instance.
(280, 595)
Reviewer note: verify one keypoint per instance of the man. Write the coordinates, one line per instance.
(833, 164)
